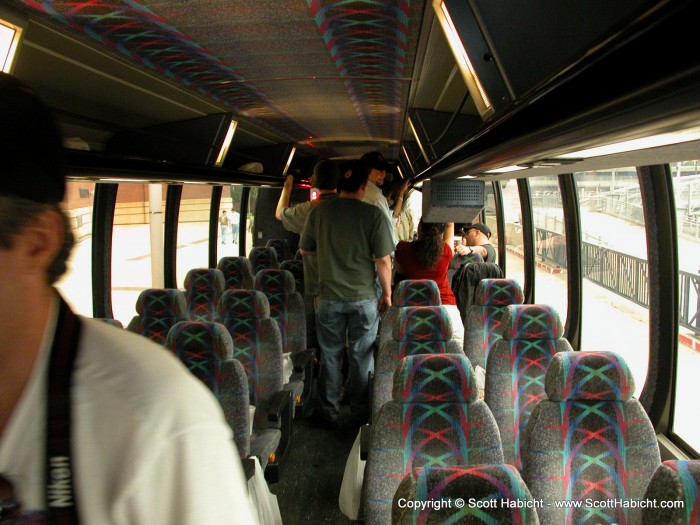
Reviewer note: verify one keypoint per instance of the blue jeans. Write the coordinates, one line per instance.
(337, 322)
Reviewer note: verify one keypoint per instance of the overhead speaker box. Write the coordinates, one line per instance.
(202, 141)
(452, 200)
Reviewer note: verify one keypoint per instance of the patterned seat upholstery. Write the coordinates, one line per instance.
(417, 330)
(238, 273)
(433, 420)
(158, 309)
(257, 344)
(263, 258)
(674, 481)
(483, 318)
(296, 268)
(206, 349)
(287, 309)
(410, 292)
(282, 249)
(589, 440)
(490, 485)
(203, 287)
(516, 368)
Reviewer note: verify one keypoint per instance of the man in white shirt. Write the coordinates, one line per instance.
(133, 438)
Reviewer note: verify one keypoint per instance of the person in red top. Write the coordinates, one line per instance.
(428, 257)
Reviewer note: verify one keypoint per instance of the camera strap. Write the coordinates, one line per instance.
(59, 476)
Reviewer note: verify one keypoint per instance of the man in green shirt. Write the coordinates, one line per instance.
(349, 237)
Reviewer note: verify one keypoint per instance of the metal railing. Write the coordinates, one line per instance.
(623, 274)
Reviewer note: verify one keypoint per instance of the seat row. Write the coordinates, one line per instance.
(516, 344)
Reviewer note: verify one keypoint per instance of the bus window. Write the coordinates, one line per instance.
(514, 231)
(250, 242)
(193, 230)
(550, 243)
(615, 314)
(686, 186)
(228, 230)
(490, 215)
(138, 226)
(75, 285)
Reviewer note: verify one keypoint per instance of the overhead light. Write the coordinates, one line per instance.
(398, 168)
(507, 169)
(420, 145)
(466, 67)
(289, 160)
(9, 40)
(227, 142)
(655, 141)
(467, 177)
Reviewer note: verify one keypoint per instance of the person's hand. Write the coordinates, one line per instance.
(289, 181)
(384, 302)
(461, 250)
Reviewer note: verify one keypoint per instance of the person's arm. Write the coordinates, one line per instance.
(285, 196)
(449, 235)
(398, 203)
(384, 274)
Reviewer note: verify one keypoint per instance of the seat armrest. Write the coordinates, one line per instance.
(302, 358)
(365, 441)
(280, 402)
(248, 468)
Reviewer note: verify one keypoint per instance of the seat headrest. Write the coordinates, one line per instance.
(435, 378)
(293, 265)
(189, 335)
(161, 302)
(594, 376)
(264, 255)
(205, 279)
(416, 292)
(244, 304)
(422, 323)
(498, 292)
(274, 281)
(531, 321)
(236, 263)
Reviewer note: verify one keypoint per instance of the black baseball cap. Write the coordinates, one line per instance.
(478, 226)
(30, 145)
(375, 160)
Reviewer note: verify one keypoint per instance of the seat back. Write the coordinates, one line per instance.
(417, 330)
(483, 324)
(676, 481)
(282, 249)
(286, 306)
(409, 292)
(158, 309)
(296, 268)
(515, 371)
(263, 258)
(238, 273)
(499, 490)
(206, 349)
(433, 420)
(203, 287)
(257, 344)
(589, 441)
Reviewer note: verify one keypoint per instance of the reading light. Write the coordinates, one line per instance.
(655, 141)
(475, 86)
(420, 145)
(227, 142)
(289, 160)
(9, 40)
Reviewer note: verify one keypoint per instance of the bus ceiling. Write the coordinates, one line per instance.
(295, 76)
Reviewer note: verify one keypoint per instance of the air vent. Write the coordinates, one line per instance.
(452, 200)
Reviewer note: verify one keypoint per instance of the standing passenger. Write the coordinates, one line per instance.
(349, 238)
(373, 195)
(476, 240)
(96, 423)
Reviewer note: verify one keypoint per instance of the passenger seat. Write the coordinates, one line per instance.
(158, 309)
(203, 287)
(238, 273)
(676, 482)
(409, 292)
(262, 258)
(589, 440)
